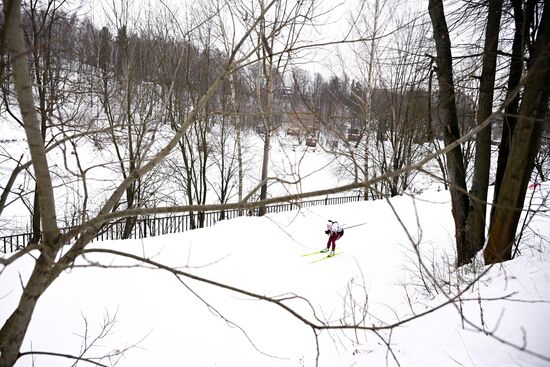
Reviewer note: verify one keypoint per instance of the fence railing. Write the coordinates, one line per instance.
(148, 226)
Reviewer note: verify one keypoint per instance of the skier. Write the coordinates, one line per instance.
(335, 232)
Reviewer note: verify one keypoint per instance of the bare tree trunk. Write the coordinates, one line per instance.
(511, 110)
(35, 217)
(267, 112)
(265, 166)
(23, 86)
(14, 329)
(480, 183)
(128, 76)
(47, 79)
(368, 96)
(447, 105)
(523, 148)
(238, 136)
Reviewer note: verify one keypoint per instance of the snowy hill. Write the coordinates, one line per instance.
(165, 320)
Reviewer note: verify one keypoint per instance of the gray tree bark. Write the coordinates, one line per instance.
(14, 329)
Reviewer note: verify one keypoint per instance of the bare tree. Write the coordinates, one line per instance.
(469, 210)
(278, 32)
(265, 92)
(373, 34)
(130, 106)
(234, 98)
(50, 263)
(526, 136)
(399, 106)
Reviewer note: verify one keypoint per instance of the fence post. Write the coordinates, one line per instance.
(144, 222)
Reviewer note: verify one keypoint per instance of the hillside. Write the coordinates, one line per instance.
(164, 320)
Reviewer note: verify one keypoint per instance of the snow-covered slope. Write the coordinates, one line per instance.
(168, 321)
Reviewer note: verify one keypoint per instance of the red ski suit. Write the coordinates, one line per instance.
(336, 231)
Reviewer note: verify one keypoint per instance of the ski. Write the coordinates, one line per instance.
(314, 253)
(326, 257)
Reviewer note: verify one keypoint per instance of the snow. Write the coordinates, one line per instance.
(167, 321)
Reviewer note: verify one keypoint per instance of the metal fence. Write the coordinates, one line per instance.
(148, 226)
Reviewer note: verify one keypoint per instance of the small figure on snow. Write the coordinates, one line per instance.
(534, 185)
(335, 232)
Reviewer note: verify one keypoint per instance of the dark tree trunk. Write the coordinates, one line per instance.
(523, 149)
(480, 182)
(265, 166)
(36, 228)
(448, 115)
(511, 110)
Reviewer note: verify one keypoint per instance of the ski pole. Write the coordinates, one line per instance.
(356, 225)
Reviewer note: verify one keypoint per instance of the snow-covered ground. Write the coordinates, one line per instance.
(159, 319)
(166, 321)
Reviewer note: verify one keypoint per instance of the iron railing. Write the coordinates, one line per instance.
(148, 226)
